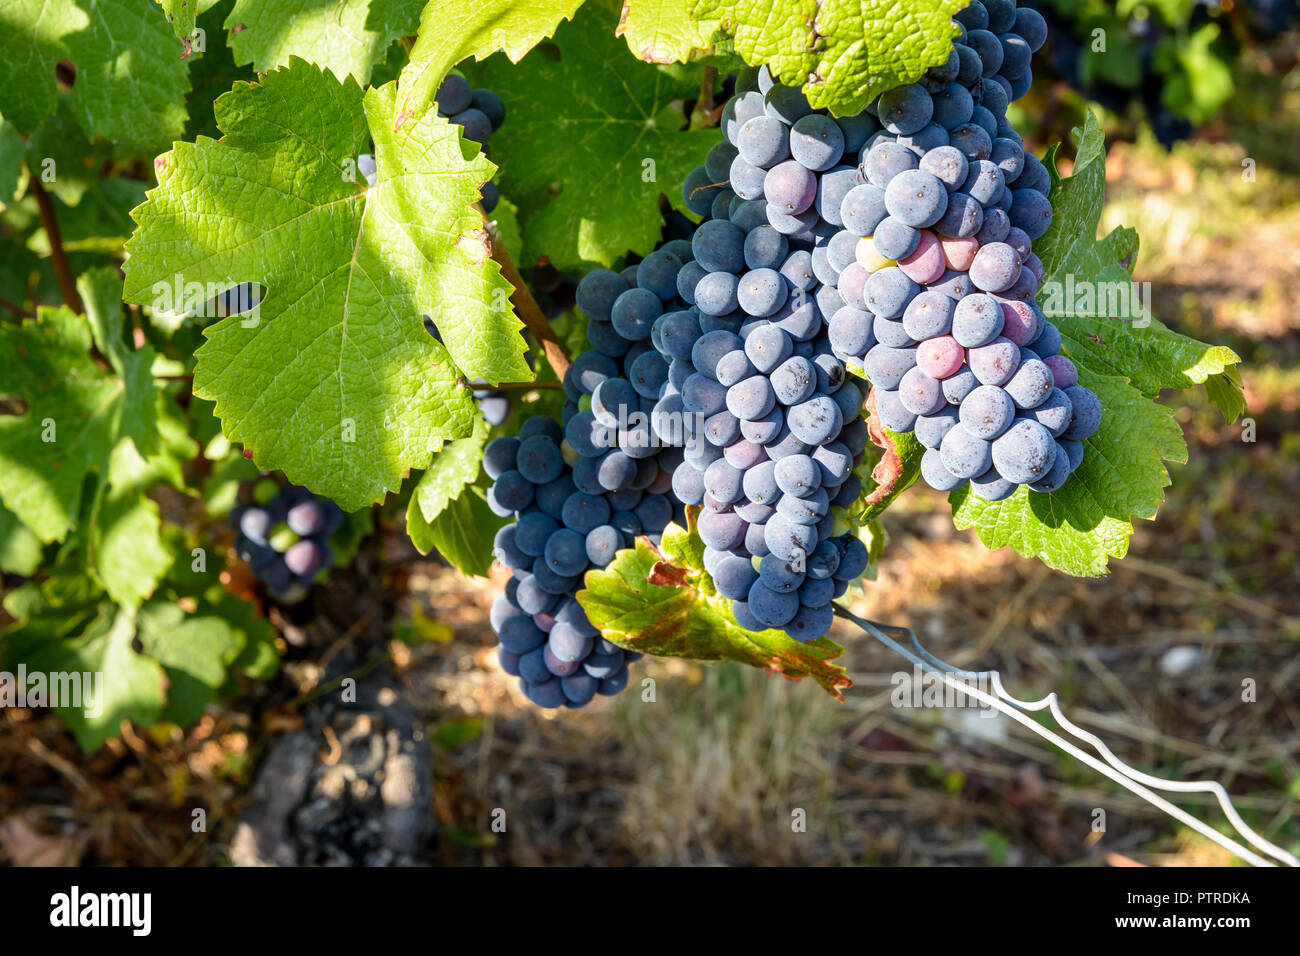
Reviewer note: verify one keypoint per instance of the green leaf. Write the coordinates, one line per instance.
(452, 469)
(666, 605)
(347, 38)
(195, 651)
(663, 31)
(131, 81)
(129, 685)
(594, 125)
(462, 533)
(334, 382)
(1093, 300)
(13, 176)
(181, 14)
(99, 224)
(76, 415)
(1090, 520)
(844, 53)
(64, 157)
(213, 71)
(451, 33)
(20, 550)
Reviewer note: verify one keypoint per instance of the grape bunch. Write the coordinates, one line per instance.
(579, 493)
(935, 265)
(282, 533)
(770, 425)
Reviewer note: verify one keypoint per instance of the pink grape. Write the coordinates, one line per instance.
(926, 264)
(920, 394)
(1019, 324)
(960, 253)
(940, 357)
(1064, 374)
(995, 363)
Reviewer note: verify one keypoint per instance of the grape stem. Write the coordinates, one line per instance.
(58, 257)
(529, 311)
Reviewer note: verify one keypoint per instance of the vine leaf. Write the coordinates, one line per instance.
(13, 176)
(182, 14)
(664, 604)
(1090, 520)
(1151, 356)
(20, 549)
(348, 39)
(843, 53)
(76, 415)
(136, 97)
(462, 532)
(195, 651)
(451, 33)
(592, 141)
(663, 31)
(456, 466)
(334, 381)
(65, 635)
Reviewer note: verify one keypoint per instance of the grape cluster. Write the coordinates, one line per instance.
(771, 426)
(283, 532)
(579, 493)
(934, 263)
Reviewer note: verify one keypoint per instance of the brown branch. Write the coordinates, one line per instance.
(59, 258)
(706, 88)
(529, 311)
(518, 386)
(17, 310)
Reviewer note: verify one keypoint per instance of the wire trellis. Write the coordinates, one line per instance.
(1105, 762)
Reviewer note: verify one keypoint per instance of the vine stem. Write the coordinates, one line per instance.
(531, 313)
(16, 309)
(59, 258)
(549, 383)
(706, 88)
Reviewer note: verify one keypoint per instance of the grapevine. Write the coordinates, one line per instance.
(647, 320)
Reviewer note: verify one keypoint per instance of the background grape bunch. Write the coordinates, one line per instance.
(1174, 61)
(282, 533)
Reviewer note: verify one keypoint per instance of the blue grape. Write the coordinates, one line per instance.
(766, 348)
(657, 272)
(815, 421)
(733, 577)
(769, 607)
(763, 141)
(761, 292)
(1025, 453)
(816, 142)
(905, 109)
(915, 198)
